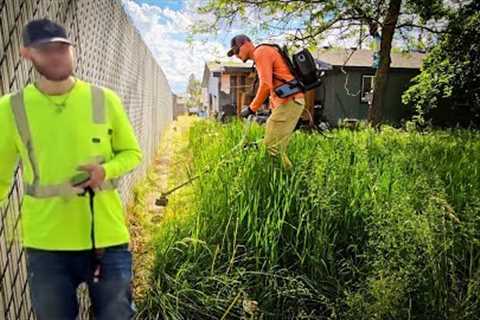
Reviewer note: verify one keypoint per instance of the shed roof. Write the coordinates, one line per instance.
(224, 66)
(364, 58)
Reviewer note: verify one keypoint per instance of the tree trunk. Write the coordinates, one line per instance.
(375, 111)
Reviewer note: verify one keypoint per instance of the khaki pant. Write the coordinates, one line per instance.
(280, 126)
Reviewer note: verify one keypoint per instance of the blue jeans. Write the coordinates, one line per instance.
(54, 277)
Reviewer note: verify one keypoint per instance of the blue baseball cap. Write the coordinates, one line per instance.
(42, 31)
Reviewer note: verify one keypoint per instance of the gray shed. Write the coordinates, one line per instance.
(348, 99)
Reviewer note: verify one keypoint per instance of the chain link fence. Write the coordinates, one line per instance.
(111, 53)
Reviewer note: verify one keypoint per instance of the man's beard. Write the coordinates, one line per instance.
(52, 76)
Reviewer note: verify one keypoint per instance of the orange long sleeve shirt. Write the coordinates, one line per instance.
(270, 67)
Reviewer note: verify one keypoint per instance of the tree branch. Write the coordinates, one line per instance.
(416, 26)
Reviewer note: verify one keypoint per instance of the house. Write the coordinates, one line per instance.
(179, 106)
(227, 86)
(343, 94)
(348, 98)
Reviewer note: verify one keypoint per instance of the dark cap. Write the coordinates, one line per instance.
(43, 31)
(236, 43)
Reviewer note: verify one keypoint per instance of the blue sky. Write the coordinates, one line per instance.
(164, 26)
(172, 4)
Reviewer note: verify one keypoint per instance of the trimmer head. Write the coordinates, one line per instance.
(162, 201)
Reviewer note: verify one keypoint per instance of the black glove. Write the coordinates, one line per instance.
(246, 111)
(250, 145)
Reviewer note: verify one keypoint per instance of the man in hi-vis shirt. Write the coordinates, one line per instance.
(74, 140)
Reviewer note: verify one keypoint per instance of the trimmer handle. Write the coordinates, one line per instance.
(80, 178)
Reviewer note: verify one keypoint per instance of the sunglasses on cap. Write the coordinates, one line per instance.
(235, 50)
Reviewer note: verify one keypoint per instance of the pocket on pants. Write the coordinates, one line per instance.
(287, 113)
(112, 295)
(117, 264)
(300, 102)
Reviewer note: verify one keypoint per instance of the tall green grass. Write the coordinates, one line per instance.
(367, 225)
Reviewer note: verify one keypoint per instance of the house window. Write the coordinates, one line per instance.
(367, 86)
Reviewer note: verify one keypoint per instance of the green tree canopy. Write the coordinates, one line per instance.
(194, 93)
(310, 21)
(448, 88)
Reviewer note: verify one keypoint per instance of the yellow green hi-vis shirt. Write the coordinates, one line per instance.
(63, 137)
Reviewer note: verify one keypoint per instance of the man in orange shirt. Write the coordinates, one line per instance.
(272, 72)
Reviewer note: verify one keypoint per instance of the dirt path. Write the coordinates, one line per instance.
(143, 215)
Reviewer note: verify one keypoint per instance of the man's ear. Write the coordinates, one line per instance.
(25, 53)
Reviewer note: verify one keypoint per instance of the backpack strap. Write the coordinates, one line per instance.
(285, 58)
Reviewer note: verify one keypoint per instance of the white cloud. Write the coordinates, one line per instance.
(165, 32)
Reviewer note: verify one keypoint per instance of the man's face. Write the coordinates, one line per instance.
(52, 60)
(241, 52)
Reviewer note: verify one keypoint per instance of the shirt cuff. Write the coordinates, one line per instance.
(108, 171)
